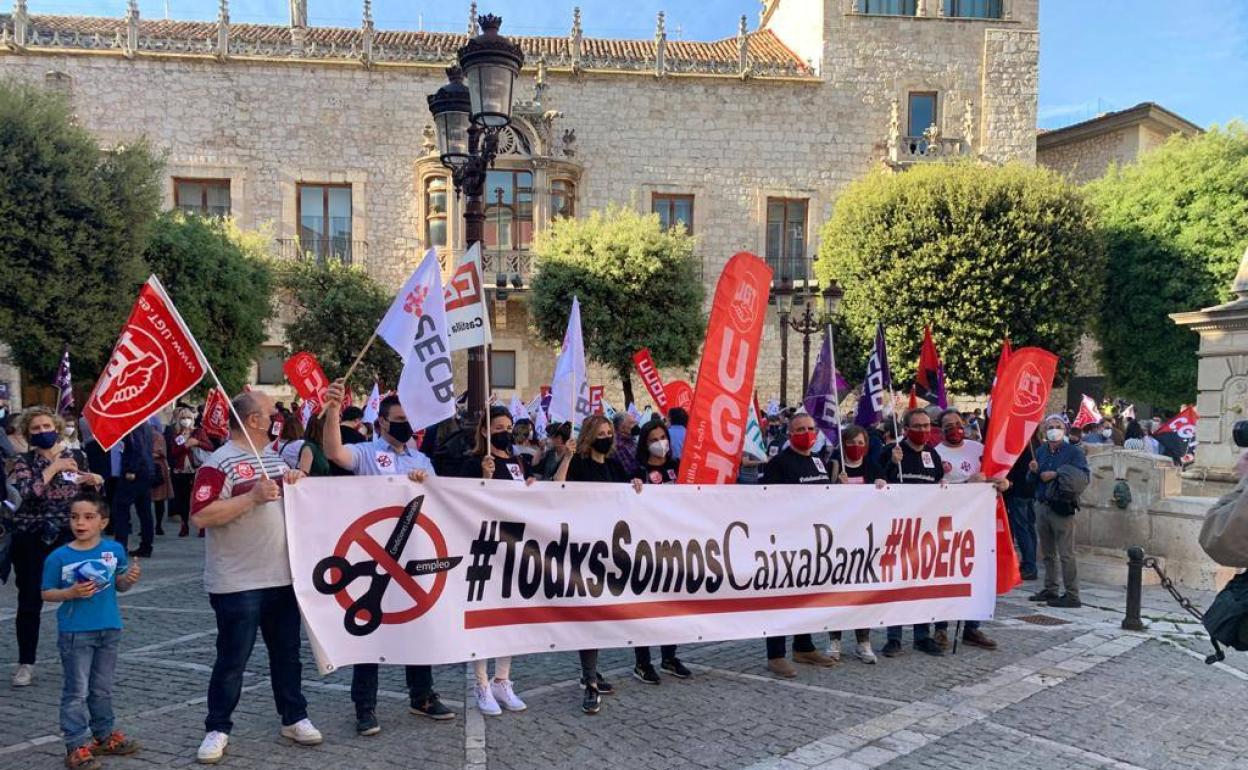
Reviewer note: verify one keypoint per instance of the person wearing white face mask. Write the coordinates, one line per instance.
(656, 466)
(1055, 516)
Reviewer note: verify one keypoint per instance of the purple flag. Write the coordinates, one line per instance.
(64, 386)
(876, 386)
(824, 393)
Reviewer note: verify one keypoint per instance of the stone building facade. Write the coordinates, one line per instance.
(324, 134)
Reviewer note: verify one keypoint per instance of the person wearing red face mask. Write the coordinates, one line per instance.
(796, 465)
(856, 468)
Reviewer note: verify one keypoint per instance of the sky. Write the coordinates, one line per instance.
(1190, 56)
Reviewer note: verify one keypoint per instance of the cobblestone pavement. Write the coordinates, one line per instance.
(1075, 694)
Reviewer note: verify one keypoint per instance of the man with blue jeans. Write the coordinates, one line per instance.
(1019, 506)
(237, 500)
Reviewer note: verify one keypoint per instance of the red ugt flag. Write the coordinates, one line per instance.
(308, 379)
(216, 421)
(1018, 401)
(155, 361)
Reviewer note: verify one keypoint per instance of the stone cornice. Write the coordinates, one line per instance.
(1147, 113)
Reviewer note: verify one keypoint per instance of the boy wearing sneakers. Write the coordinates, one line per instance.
(85, 576)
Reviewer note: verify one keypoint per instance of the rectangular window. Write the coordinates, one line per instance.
(325, 221)
(973, 9)
(269, 365)
(503, 369)
(673, 210)
(921, 113)
(435, 211)
(786, 238)
(508, 210)
(887, 7)
(562, 199)
(209, 197)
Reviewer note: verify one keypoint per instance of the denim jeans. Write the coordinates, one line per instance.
(89, 659)
(1022, 515)
(274, 613)
(364, 686)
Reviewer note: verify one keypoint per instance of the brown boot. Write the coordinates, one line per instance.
(942, 638)
(977, 638)
(815, 658)
(781, 667)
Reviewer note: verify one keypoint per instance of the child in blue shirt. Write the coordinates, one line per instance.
(85, 576)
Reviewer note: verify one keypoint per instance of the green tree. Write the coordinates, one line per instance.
(334, 309)
(638, 285)
(1176, 225)
(74, 221)
(978, 252)
(221, 281)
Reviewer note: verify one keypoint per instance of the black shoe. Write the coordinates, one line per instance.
(434, 709)
(929, 646)
(645, 672)
(604, 687)
(592, 701)
(160, 531)
(677, 669)
(1043, 596)
(366, 723)
(892, 648)
(1030, 575)
(142, 553)
(1065, 601)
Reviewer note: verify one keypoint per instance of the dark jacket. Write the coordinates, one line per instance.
(1050, 460)
(1022, 487)
(136, 454)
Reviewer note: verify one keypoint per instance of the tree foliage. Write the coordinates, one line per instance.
(74, 221)
(978, 252)
(1176, 226)
(221, 281)
(333, 309)
(638, 284)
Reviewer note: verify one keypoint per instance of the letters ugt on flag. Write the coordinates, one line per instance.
(415, 326)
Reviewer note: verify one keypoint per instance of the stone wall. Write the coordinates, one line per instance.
(1088, 159)
(731, 142)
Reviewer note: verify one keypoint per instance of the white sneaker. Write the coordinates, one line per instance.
(485, 700)
(303, 733)
(834, 652)
(23, 675)
(506, 696)
(213, 748)
(865, 653)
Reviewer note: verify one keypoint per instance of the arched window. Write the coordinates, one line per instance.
(435, 211)
(562, 198)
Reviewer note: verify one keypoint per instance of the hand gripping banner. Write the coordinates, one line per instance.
(387, 570)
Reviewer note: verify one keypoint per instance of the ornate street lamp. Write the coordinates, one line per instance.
(811, 322)
(469, 112)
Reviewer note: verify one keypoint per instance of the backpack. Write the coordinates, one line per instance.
(1226, 620)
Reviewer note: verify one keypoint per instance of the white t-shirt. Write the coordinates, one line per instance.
(961, 462)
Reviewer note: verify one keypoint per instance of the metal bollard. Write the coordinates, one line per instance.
(1135, 567)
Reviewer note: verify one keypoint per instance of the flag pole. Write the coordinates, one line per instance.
(836, 396)
(229, 402)
(359, 358)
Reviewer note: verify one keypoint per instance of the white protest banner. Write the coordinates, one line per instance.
(468, 321)
(387, 570)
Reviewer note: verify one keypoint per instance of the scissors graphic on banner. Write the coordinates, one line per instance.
(333, 574)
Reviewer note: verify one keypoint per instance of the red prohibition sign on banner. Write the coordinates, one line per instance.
(357, 534)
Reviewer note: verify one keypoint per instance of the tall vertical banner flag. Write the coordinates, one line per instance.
(721, 404)
(64, 385)
(155, 361)
(876, 386)
(649, 374)
(1088, 413)
(826, 384)
(372, 407)
(1020, 395)
(466, 315)
(595, 398)
(931, 375)
(307, 377)
(216, 419)
(569, 389)
(415, 326)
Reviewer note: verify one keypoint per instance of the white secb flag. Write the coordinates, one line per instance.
(467, 317)
(754, 446)
(373, 405)
(569, 389)
(415, 326)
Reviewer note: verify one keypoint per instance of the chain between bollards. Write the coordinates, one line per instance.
(1135, 577)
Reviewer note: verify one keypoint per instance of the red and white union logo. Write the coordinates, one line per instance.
(135, 377)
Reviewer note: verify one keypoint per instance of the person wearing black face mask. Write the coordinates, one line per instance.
(593, 460)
